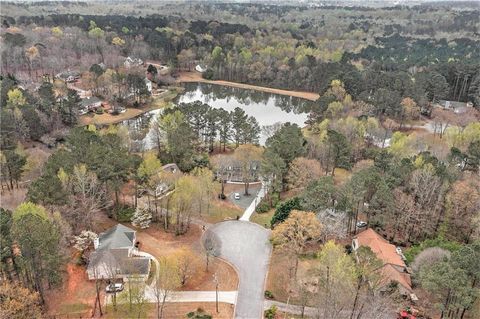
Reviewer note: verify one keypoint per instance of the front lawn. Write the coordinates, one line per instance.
(263, 219)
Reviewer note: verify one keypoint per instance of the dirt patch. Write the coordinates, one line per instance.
(196, 77)
(76, 296)
(280, 275)
(11, 199)
(157, 242)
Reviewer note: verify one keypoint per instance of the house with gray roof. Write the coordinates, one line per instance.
(116, 257)
(90, 103)
(455, 106)
(68, 76)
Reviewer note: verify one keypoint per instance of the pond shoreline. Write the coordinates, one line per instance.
(130, 113)
(188, 77)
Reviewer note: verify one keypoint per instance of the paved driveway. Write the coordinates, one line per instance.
(246, 246)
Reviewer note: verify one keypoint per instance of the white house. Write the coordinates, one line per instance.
(90, 103)
(200, 68)
(129, 62)
(116, 257)
(149, 85)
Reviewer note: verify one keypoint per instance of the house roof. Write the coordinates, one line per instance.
(118, 236)
(390, 273)
(64, 75)
(137, 266)
(385, 251)
(118, 262)
(113, 250)
(89, 101)
(452, 104)
(171, 168)
(394, 268)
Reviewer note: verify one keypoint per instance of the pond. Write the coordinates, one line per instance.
(267, 108)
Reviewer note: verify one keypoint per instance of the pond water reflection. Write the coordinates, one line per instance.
(267, 108)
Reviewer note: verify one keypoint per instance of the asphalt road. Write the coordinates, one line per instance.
(246, 246)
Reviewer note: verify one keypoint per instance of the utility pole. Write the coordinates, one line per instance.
(215, 280)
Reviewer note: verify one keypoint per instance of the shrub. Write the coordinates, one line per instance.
(199, 314)
(125, 213)
(99, 110)
(271, 312)
(208, 74)
(142, 217)
(263, 207)
(284, 209)
(268, 294)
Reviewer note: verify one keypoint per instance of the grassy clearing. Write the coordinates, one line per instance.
(263, 219)
(341, 176)
(124, 311)
(157, 102)
(220, 211)
(73, 308)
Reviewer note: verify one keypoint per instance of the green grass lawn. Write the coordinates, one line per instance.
(263, 218)
(124, 311)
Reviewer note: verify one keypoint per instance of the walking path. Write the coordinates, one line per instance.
(157, 265)
(195, 296)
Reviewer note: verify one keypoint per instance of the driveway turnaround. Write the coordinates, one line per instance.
(246, 246)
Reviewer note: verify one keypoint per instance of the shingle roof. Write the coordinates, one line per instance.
(137, 266)
(389, 274)
(118, 236)
(385, 251)
(89, 101)
(171, 168)
(113, 249)
(119, 263)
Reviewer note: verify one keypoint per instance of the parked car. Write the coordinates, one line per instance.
(399, 250)
(361, 224)
(236, 196)
(114, 288)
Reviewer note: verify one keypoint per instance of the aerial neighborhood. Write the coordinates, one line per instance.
(246, 159)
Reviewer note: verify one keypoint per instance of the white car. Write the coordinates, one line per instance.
(361, 224)
(114, 288)
(236, 196)
(399, 251)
